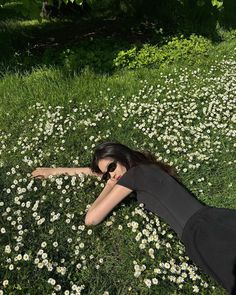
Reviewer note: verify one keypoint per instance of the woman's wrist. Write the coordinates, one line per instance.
(64, 170)
(71, 171)
(59, 171)
(76, 171)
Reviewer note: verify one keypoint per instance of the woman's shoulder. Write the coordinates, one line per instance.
(137, 176)
(143, 167)
(146, 166)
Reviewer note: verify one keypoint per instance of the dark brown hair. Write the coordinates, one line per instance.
(127, 157)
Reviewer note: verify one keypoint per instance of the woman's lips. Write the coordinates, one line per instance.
(118, 177)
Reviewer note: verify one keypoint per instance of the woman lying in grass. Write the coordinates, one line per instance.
(208, 233)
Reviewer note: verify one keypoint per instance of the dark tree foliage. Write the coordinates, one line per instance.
(228, 16)
(192, 15)
(56, 8)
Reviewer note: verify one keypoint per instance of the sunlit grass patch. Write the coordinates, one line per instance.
(186, 117)
(22, 24)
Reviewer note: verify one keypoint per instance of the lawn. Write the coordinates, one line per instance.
(183, 112)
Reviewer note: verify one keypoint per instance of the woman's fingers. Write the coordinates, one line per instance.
(37, 176)
(42, 172)
(36, 173)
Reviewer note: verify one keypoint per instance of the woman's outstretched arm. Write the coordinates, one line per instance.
(44, 172)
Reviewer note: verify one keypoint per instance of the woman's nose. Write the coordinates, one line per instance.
(113, 175)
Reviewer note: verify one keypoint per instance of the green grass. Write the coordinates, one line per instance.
(49, 117)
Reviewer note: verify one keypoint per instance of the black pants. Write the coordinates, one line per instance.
(209, 237)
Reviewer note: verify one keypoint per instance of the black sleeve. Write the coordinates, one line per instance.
(128, 179)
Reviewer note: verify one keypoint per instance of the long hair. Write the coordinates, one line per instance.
(127, 157)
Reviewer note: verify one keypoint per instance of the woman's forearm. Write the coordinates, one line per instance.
(102, 195)
(71, 171)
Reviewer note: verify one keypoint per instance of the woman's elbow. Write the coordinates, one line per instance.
(89, 220)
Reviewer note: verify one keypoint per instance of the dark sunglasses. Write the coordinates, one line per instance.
(111, 167)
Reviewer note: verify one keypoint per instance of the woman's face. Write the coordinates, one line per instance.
(117, 173)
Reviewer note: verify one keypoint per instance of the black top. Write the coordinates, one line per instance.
(162, 194)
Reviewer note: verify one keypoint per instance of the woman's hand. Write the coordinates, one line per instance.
(111, 182)
(44, 172)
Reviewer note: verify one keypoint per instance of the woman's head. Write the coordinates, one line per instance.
(119, 158)
(109, 152)
(124, 158)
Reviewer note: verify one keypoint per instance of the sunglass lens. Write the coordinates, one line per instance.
(112, 167)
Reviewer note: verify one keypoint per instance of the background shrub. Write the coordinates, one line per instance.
(178, 48)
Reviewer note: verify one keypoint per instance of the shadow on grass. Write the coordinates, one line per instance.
(73, 45)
